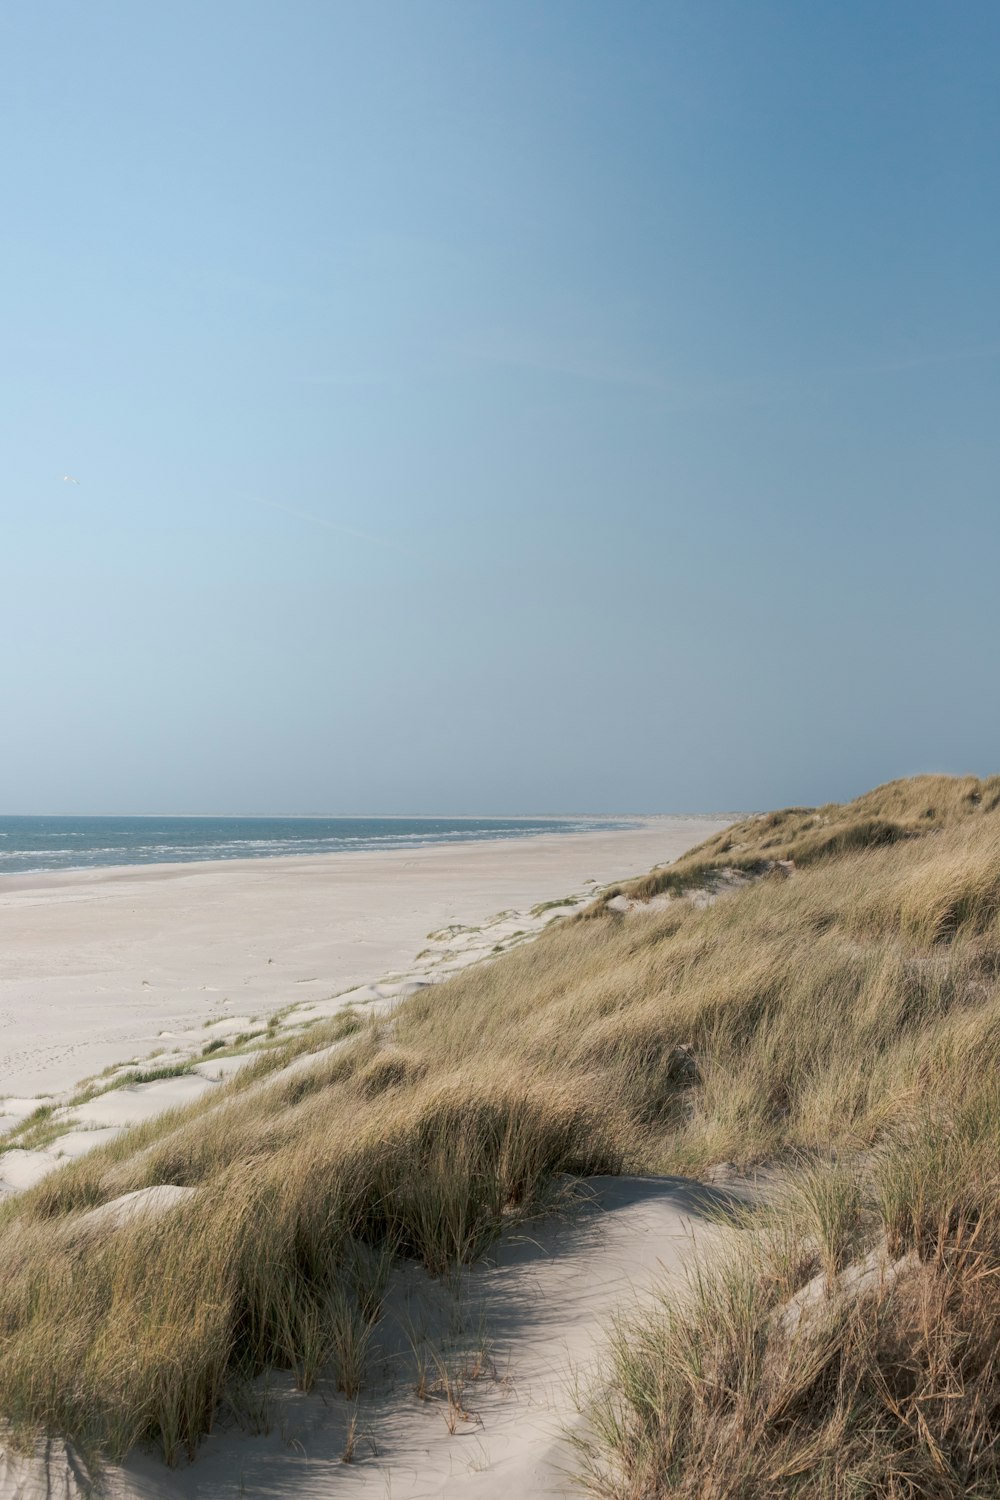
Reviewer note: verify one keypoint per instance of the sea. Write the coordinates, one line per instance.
(29, 845)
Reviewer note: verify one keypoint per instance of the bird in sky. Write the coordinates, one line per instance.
(68, 479)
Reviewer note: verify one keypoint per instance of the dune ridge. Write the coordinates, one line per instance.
(800, 1015)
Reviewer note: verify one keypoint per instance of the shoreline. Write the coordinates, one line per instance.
(17, 880)
(264, 837)
(102, 964)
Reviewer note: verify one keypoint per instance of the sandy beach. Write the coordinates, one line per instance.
(98, 965)
(103, 967)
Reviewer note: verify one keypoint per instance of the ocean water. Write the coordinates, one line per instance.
(29, 845)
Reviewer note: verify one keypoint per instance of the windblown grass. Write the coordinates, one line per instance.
(302, 1188)
(841, 1009)
(892, 1392)
(879, 1378)
(802, 835)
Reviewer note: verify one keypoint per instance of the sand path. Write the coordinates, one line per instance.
(542, 1309)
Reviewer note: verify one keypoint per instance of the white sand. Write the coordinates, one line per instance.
(131, 1106)
(142, 1203)
(96, 965)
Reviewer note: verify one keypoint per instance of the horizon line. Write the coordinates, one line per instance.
(375, 817)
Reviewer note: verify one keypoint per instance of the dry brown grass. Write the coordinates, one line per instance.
(846, 1006)
(892, 1391)
(302, 1189)
(803, 835)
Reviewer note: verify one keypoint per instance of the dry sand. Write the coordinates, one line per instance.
(96, 965)
(101, 967)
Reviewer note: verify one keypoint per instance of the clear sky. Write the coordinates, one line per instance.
(544, 405)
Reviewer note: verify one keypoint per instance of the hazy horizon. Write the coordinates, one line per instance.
(471, 816)
(454, 407)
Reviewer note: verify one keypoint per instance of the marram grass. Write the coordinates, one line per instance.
(836, 1010)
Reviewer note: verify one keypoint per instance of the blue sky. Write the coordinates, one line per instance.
(557, 406)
